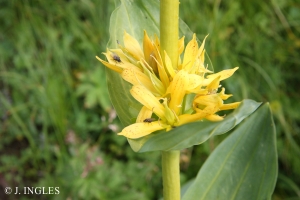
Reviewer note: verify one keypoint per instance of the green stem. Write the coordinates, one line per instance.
(171, 175)
(169, 18)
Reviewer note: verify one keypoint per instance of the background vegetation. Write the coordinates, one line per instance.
(58, 127)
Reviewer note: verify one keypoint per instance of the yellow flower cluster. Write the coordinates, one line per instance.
(162, 88)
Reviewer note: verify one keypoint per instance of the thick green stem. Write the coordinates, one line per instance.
(171, 175)
(169, 18)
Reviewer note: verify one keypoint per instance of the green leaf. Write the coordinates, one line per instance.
(133, 17)
(94, 90)
(194, 133)
(243, 166)
(186, 186)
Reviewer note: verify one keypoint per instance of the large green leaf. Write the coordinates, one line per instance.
(243, 166)
(132, 16)
(194, 133)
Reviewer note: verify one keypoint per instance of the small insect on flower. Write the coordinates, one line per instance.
(149, 120)
(116, 58)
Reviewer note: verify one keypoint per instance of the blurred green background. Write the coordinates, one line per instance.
(58, 127)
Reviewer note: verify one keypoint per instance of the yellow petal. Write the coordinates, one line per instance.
(132, 46)
(137, 78)
(230, 106)
(201, 69)
(195, 83)
(190, 54)
(178, 90)
(146, 98)
(223, 74)
(188, 118)
(208, 100)
(160, 66)
(125, 63)
(208, 103)
(147, 46)
(180, 45)
(223, 95)
(157, 84)
(170, 116)
(157, 42)
(138, 130)
(144, 113)
(214, 85)
(214, 118)
(113, 55)
(169, 66)
(198, 66)
(149, 52)
(202, 58)
(110, 66)
(201, 50)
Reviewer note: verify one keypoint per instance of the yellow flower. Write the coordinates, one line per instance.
(162, 88)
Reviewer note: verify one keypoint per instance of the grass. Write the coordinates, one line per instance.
(56, 119)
